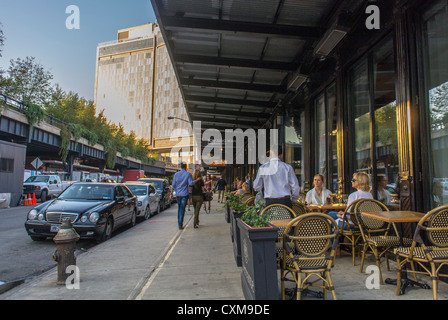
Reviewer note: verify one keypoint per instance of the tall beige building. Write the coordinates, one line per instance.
(136, 87)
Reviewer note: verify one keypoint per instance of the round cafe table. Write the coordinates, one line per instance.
(326, 207)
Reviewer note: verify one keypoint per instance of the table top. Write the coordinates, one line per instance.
(325, 207)
(280, 223)
(395, 216)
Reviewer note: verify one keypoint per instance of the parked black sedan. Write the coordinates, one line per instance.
(95, 209)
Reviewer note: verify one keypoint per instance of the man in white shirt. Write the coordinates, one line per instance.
(278, 181)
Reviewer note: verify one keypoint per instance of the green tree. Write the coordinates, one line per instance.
(2, 39)
(28, 81)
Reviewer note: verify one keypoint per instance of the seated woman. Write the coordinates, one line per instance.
(319, 193)
(361, 182)
(243, 190)
(383, 194)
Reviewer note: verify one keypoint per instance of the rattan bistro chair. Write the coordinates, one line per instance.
(250, 201)
(299, 208)
(309, 252)
(245, 196)
(349, 234)
(430, 257)
(377, 235)
(278, 212)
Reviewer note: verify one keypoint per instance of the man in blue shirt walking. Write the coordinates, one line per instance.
(181, 184)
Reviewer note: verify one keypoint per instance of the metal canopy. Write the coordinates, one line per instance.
(234, 59)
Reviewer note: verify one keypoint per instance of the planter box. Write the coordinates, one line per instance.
(227, 214)
(259, 278)
(235, 235)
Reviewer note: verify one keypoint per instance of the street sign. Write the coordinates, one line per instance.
(37, 163)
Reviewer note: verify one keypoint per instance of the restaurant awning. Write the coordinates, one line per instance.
(238, 61)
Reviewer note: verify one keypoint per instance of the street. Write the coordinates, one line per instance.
(21, 256)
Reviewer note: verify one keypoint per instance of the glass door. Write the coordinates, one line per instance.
(435, 46)
(373, 117)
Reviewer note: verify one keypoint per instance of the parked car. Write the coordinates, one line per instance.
(43, 186)
(148, 200)
(174, 199)
(95, 209)
(162, 188)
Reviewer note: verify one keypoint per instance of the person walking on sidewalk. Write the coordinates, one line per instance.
(221, 186)
(181, 184)
(197, 195)
(278, 181)
(208, 188)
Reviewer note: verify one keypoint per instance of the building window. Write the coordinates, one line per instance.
(436, 82)
(6, 165)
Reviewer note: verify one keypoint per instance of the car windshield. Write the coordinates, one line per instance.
(88, 192)
(138, 190)
(37, 179)
(158, 184)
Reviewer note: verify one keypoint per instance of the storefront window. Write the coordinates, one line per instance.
(385, 120)
(294, 145)
(436, 42)
(320, 147)
(361, 115)
(374, 113)
(332, 139)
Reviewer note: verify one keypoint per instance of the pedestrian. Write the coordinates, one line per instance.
(181, 184)
(197, 193)
(189, 198)
(221, 186)
(208, 189)
(278, 182)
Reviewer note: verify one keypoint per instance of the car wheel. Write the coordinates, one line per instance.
(43, 196)
(107, 232)
(147, 212)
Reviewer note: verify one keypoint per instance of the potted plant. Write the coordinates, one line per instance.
(233, 203)
(237, 208)
(259, 265)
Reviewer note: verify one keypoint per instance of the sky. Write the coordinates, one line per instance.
(37, 28)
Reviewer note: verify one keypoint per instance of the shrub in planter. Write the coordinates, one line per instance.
(236, 211)
(259, 264)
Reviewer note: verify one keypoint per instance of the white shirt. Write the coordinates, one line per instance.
(355, 196)
(311, 196)
(276, 177)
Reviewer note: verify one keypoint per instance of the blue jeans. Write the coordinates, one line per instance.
(334, 215)
(181, 204)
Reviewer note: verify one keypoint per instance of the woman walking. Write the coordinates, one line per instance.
(197, 195)
(208, 188)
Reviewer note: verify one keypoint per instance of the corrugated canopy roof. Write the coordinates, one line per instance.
(234, 59)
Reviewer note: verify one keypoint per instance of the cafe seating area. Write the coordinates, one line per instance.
(314, 251)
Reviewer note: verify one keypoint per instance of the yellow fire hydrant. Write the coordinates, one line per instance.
(65, 239)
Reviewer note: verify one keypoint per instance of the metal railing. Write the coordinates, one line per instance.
(50, 119)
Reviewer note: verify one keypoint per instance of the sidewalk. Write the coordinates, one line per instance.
(157, 261)
(154, 261)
